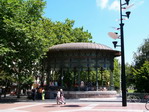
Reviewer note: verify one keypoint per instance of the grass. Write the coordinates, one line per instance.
(130, 90)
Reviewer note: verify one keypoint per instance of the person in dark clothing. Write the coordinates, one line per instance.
(34, 94)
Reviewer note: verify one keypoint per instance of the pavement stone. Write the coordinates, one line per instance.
(13, 104)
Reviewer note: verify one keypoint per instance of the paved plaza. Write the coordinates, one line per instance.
(72, 105)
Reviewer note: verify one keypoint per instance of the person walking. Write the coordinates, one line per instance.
(62, 98)
(43, 94)
(58, 97)
(33, 94)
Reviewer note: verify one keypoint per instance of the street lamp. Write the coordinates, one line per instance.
(127, 2)
(115, 44)
(121, 37)
(123, 76)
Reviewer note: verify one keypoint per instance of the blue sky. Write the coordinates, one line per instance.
(99, 16)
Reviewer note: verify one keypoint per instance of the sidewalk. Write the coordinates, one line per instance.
(13, 104)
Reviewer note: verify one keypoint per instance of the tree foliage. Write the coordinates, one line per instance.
(141, 76)
(116, 74)
(26, 37)
(139, 72)
(63, 32)
(129, 75)
(21, 36)
(142, 54)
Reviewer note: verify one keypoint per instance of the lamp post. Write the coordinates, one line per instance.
(121, 37)
(115, 36)
(123, 76)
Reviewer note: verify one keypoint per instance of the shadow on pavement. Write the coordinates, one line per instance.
(71, 106)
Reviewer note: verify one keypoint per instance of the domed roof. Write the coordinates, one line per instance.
(80, 46)
(83, 46)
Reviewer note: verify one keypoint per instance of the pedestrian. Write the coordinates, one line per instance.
(0, 92)
(43, 94)
(33, 94)
(58, 97)
(62, 98)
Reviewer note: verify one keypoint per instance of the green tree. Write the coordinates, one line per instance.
(22, 40)
(129, 75)
(6, 80)
(116, 74)
(141, 76)
(63, 32)
(142, 54)
(140, 70)
(26, 37)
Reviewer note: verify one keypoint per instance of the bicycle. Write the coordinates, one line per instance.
(147, 102)
(147, 105)
(133, 98)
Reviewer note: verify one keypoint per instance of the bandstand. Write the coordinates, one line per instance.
(80, 61)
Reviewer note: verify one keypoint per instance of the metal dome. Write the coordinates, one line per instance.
(80, 46)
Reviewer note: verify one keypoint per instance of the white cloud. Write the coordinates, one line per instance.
(102, 3)
(115, 6)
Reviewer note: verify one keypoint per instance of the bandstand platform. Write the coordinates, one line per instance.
(85, 94)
